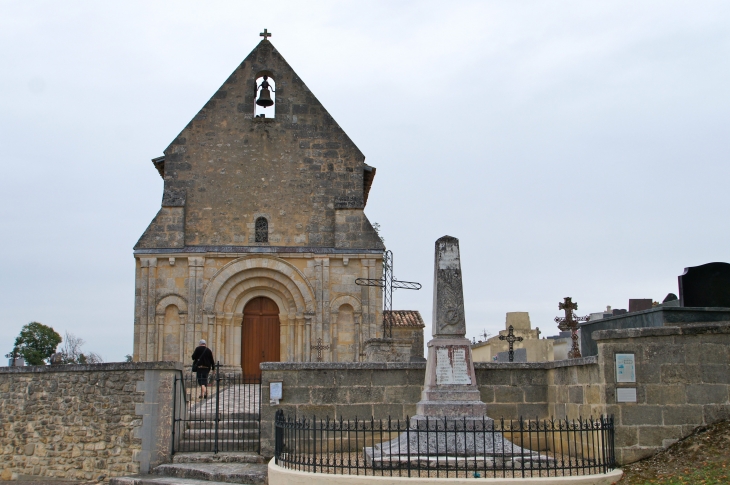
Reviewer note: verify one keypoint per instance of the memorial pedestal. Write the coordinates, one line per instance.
(450, 389)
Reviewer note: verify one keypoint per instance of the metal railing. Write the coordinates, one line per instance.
(228, 419)
(446, 448)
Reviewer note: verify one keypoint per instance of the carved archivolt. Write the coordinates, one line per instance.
(345, 300)
(235, 282)
(166, 301)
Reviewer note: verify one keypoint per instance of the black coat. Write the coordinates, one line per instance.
(205, 355)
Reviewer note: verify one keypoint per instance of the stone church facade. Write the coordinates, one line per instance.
(261, 233)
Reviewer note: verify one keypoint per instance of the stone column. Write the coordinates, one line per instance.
(160, 336)
(143, 291)
(300, 336)
(283, 337)
(195, 291)
(357, 316)
(308, 334)
(236, 340)
(291, 337)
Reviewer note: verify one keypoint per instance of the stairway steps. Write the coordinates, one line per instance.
(163, 480)
(245, 473)
(208, 433)
(223, 457)
(224, 423)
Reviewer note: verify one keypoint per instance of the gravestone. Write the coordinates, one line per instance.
(639, 304)
(707, 285)
(520, 355)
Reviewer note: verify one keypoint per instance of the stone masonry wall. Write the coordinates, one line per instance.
(391, 390)
(82, 421)
(682, 382)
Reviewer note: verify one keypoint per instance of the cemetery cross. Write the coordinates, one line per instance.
(511, 339)
(319, 348)
(570, 322)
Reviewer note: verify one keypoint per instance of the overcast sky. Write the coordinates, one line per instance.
(574, 148)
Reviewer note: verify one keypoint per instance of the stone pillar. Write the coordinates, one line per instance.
(308, 334)
(148, 300)
(160, 336)
(291, 337)
(195, 291)
(236, 340)
(357, 316)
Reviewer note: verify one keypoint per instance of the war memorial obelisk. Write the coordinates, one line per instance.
(451, 388)
(451, 419)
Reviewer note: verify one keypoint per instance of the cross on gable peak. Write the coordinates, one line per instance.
(265, 34)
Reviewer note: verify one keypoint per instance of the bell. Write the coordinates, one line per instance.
(265, 96)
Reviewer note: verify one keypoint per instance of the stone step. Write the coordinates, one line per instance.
(227, 457)
(209, 415)
(227, 445)
(224, 423)
(157, 480)
(209, 434)
(247, 473)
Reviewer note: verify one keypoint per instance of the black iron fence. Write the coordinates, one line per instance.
(225, 415)
(446, 448)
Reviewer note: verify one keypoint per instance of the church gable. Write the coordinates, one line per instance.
(297, 174)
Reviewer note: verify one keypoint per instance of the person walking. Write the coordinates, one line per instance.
(203, 362)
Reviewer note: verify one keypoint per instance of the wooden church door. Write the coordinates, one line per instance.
(259, 335)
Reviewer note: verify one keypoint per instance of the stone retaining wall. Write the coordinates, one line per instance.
(82, 421)
(385, 390)
(682, 382)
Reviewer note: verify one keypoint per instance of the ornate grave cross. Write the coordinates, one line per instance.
(511, 339)
(319, 348)
(570, 322)
(265, 34)
(388, 283)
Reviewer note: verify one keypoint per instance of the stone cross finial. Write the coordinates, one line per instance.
(448, 293)
(265, 34)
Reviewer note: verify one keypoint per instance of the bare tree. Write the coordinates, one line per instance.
(72, 354)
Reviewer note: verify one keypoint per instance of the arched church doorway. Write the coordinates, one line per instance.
(259, 335)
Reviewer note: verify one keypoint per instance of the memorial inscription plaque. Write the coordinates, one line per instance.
(451, 366)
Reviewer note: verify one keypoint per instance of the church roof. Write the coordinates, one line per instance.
(406, 318)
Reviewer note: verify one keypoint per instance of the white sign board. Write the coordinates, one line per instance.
(625, 368)
(452, 369)
(275, 392)
(625, 394)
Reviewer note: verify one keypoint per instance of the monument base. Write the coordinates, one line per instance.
(450, 389)
(430, 442)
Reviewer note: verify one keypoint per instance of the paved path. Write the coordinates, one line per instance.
(236, 398)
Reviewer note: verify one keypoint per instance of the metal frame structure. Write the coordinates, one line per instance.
(388, 283)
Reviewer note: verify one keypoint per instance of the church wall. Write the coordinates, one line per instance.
(227, 168)
(173, 289)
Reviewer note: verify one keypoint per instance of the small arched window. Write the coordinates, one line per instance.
(265, 106)
(262, 230)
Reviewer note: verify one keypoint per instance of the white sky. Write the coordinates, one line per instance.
(575, 148)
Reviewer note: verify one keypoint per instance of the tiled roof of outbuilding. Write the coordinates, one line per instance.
(406, 318)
